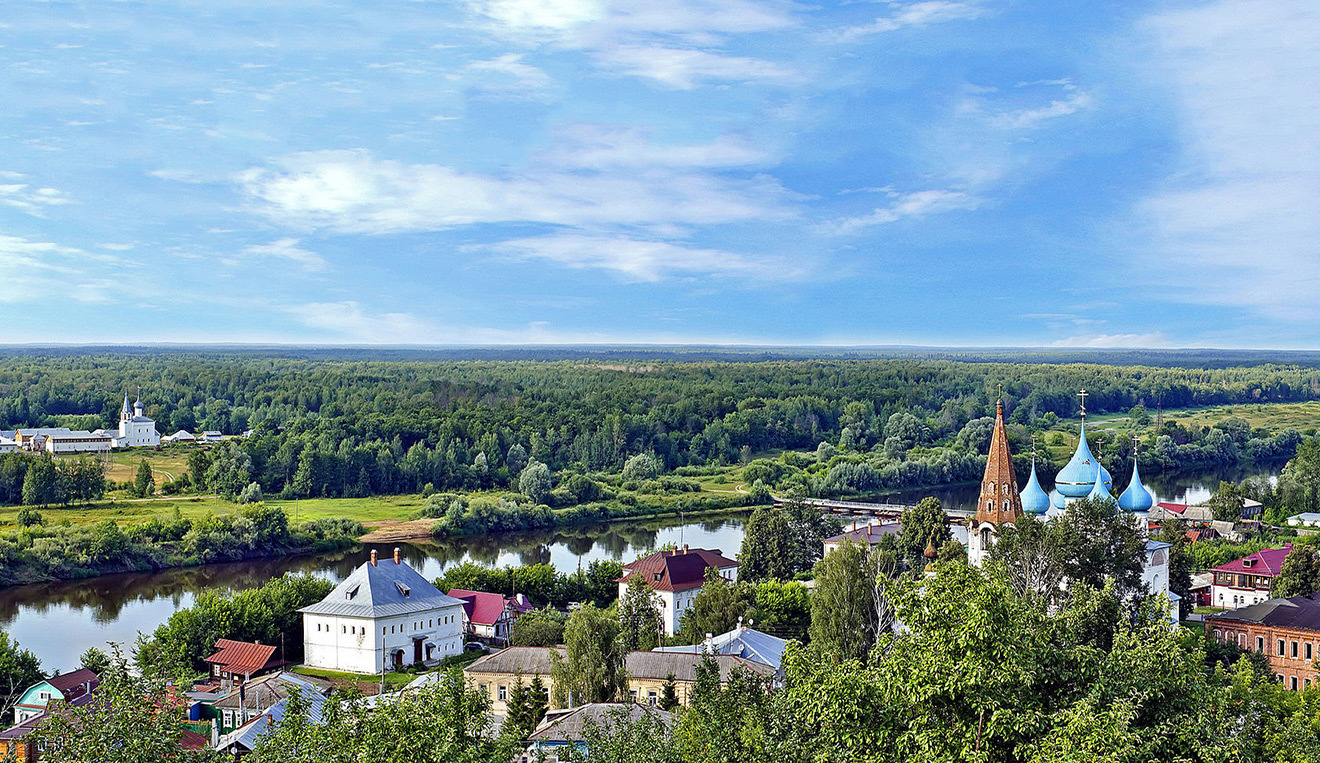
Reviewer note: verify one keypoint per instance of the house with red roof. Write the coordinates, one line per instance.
(1246, 581)
(64, 688)
(490, 615)
(676, 577)
(236, 662)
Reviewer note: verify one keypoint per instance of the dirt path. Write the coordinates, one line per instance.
(388, 530)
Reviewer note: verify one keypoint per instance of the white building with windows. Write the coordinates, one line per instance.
(676, 577)
(383, 616)
(135, 429)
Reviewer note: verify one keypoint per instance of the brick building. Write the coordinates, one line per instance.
(1287, 631)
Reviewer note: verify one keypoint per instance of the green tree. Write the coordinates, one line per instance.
(849, 608)
(1174, 532)
(41, 484)
(669, 694)
(642, 467)
(543, 627)
(922, 524)
(95, 660)
(783, 609)
(1300, 482)
(538, 700)
(251, 494)
(717, 608)
(534, 482)
(1139, 416)
(29, 517)
(230, 470)
(1227, 502)
(766, 551)
(808, 527)
(639, 617)
(1300, 574)
(592, 666)
(19, 669)
(144, 484)
(1095, 542)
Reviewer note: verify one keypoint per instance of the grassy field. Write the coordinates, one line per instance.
(126, 511)
(1274, 416)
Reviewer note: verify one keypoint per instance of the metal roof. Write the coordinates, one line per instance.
(383, 589)
(740, 642)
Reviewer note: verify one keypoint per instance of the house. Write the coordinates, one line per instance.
(249, 700)
(78, 441)
(64, 688)
(1286, 631)
(740, 642)
(648, 672)
(870, 535)
(243, 740)
(1192, 515)
(7, 444)
(235, 662)
(490, 615)
(676, 577)
(562, 733)
(181, 436)
(211, 435)
(35, 439)
(1246, 581)
(135, 429)
(382, 616)
(1200, 589)
(16, 742)
(1305, 519)
(1205, 533)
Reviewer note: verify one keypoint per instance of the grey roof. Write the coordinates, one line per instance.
(871, 534)
(569, 728)
(245, 737)
(535, 660)
(1293, 612)
(740, 642)
(382, 590)
(261, 693)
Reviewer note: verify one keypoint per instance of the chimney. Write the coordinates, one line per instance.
(374, 561)
(397, 560)
(685, 548)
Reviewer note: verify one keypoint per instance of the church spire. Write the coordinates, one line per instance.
(999, 501)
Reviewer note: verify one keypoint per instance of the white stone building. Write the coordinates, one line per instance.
(135, 429)
(383, 616)
(676, 577)
(78, 441)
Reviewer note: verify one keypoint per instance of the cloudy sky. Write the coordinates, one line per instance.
(956, 172)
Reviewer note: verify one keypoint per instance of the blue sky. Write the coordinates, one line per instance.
(947, 172)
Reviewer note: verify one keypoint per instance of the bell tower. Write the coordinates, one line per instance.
(999, 501)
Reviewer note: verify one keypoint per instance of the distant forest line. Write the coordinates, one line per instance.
(350, 422)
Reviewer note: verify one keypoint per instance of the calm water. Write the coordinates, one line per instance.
(58, 621)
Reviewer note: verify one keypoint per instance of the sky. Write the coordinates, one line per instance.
(929, 172)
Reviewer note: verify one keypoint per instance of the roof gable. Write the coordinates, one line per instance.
(241, 656)
(1267, 562)
(382, 589)
(676, 570)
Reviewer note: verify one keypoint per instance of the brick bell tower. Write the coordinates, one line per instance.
(999, 501)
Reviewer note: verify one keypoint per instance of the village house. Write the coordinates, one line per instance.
(242, 738)
(676, 577)
(7, 444)
(1286, 631)
(236, 662)
(64, 688)
(383, 616)
(742, 642)
(490, 616)
(1247, 581)
(871, 535)
(561, 735)
(497, 672)
(249, 700)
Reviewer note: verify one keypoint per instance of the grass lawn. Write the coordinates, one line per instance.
(168, 464)
(393, 680)
(1191, 626)
(1209, 610)
(127, 511)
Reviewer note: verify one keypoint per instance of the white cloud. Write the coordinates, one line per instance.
(348, 321)
(1240, 210)
(587, 146)
(685, 68)
(508, 76)
(917, 14)
(288, 249)
(1023, 119)
(638, 260)
(352, 191)
(33, 271)
(908, 205)
(23, 197)
(1114, 340)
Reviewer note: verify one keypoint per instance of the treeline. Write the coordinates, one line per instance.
(37, 480)
(38, 551)
(540, 583)
(332, 427)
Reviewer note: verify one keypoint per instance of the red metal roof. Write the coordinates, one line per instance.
(1267, 562)
(676, 570)
(240, 656)
(71, 684)
(486, 608)
(1176, 508)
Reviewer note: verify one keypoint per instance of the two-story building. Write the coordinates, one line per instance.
(1287, 631)
(676, 577)
(490, 616)
(383, 616)
(1247, 581)
(235, 662)
(64, 688)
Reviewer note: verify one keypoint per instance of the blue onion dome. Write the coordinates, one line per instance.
(1076, 478)
(1034, 499)
(1136, 497)
(1098, 491)
(1057, 500)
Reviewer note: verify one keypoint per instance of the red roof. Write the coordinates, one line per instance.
(240, 656)
(191, 740)
(71, 684)
(1267, 562)
(676, 570)
(486, 608)
(1176, 508)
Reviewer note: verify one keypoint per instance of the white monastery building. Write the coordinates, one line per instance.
(383, 616)
(136, 430)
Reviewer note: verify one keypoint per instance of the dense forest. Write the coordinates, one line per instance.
(350, 424)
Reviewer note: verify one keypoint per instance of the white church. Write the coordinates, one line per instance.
(135, 429)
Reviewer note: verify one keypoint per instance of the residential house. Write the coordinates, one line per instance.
(561, 734)
(1305, 519)
(1192, 515)
(676, 577)
(244, 739)
(210, 435)
(7, 444)
(235, 662)
(382, 616)
(1286, 631)
(249, 700)
(1200, 589)
(497, 672)
(742, 642)
(1246, 581)
(181, 436)
(63, 688)
(17, 743)
(490, 616)
(871, 535)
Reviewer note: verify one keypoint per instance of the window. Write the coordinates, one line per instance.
(1294, 656)
(504, 692)
(1292, 683)
(1280, 647)
(1260, 643)
(633, 693)
(1308, 653)
(651, 698)
(345, 627)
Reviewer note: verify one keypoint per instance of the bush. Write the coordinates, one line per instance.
(250, 494)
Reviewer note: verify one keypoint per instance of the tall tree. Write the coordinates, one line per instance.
(144, 483)
(19, 669)
(808, 527)
(717, 608)
(920, 525)
(1227, 502)
(849, 608)
(592, 666)
(1300, 574)
(1300, 483)
(639, 616)
(767, 549)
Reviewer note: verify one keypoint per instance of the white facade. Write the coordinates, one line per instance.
(979, 540)
(135, 429)
(78, 442)
(674, 603)
(384, 615)
(7, 445)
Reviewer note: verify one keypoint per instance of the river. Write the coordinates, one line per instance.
(58, 621)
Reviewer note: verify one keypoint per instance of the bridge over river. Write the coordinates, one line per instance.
(878, 510)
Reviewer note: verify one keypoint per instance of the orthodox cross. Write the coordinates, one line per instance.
(1083, 395)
